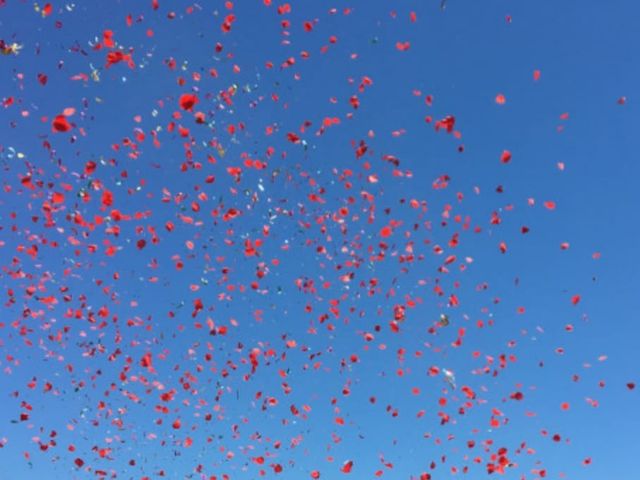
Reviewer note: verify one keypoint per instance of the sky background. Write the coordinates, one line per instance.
(80, 317)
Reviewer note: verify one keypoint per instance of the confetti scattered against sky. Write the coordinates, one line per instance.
(369, 239)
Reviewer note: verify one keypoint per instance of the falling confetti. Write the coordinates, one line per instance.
(292, 241)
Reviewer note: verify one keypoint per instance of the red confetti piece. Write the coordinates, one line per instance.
(60, 124)
(188, 101)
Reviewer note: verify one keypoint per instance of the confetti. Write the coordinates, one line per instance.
(264, 243)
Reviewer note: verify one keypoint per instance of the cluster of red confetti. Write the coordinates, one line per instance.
(224, 257)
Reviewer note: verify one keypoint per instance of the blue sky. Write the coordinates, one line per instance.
(311, 306)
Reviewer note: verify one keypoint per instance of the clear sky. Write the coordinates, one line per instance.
(319, 240)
